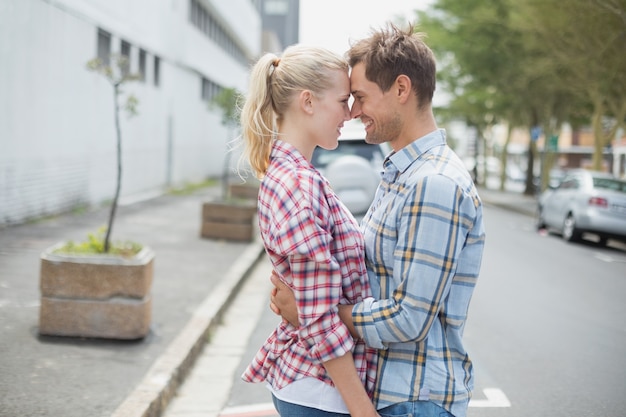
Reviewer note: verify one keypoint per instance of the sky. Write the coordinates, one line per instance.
(332, 23)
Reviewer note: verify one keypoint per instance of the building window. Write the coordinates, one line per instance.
(104, 46)
(125, 52)
(194, 13)
(157, 71)
(211, 28)
(276, 7)
(209, 89)
(142, 64)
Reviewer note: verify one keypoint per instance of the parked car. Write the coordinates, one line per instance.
(555, 177)
(353, 168)
(585, 202)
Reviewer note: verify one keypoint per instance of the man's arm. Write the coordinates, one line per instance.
(283, 303)
(428, 233)
(345, 314)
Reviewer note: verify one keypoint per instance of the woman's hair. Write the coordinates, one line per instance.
(390, 52)
(274, 82)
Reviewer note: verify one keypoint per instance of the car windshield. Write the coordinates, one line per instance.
(323, 157)
(609, 184)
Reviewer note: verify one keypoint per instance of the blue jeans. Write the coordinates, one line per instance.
(286, 409)
(414, 409)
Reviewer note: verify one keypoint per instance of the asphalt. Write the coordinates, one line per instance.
(195, 281)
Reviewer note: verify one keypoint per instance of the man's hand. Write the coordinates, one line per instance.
(282, 301)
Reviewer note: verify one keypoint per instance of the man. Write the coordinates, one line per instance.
(424, 235)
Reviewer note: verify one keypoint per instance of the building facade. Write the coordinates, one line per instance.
(57, 131)
(281, 24)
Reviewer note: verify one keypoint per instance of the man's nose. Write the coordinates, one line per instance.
(355, 111)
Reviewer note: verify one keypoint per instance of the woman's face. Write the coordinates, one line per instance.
(331, 110)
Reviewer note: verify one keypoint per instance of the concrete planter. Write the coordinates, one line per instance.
(245, 191)
(102, 296)
(229, 220)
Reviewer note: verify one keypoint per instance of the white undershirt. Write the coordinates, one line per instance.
(311, 392)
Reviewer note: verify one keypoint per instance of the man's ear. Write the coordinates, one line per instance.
(403, 88)
(305, 101)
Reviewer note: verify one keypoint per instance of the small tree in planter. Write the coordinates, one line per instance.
(117, 77)
(96, 288)
(232, 216)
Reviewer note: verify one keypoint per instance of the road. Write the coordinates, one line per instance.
(547, 323)
(546, 328)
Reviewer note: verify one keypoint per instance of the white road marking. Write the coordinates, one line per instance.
(253, 410)
(608, 258)
(495, 399)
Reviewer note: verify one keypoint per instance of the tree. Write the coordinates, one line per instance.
(117, 75)
(498, 64)
(480, 57)
(227, 102)
(589, 38)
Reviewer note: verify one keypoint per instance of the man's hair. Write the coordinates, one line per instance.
(390, 52)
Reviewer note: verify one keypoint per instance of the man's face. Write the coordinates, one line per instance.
(374, 107)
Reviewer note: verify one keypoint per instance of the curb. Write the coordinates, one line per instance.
(515, 202)
(517, 209)
(151, 397)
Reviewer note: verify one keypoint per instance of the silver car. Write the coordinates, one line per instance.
(585, 202)
(353, 168)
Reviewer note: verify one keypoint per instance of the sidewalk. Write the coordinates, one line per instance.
(194, 279)
(510, 200)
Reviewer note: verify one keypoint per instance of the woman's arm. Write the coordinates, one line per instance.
(344, 375)
(313, 276)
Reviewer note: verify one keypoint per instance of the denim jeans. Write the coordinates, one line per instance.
(414, 409)
(286, 409)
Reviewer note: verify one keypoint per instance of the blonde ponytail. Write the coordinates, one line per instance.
(257, 116)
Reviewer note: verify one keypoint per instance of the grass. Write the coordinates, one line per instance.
(191, 188)
(94, 245)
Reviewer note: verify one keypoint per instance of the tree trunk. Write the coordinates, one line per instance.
(598, 139)
(118, 184)
(530, 185)
(504, 158)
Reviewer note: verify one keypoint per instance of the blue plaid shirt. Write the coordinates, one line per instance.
(424, 239)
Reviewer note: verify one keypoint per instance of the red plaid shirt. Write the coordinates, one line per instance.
(315, 244)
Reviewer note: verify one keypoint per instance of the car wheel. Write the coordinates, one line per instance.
(570, 232)
(354, 181)
(540, 222)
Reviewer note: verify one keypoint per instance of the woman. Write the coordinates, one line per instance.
(295, 103)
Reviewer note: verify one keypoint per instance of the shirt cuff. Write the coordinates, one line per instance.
(363, 323)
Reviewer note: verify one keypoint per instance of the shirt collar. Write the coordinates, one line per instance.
(284, 150)
(403, 158)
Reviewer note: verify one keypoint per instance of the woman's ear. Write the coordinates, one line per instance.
(403, 88)
(305, 101)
